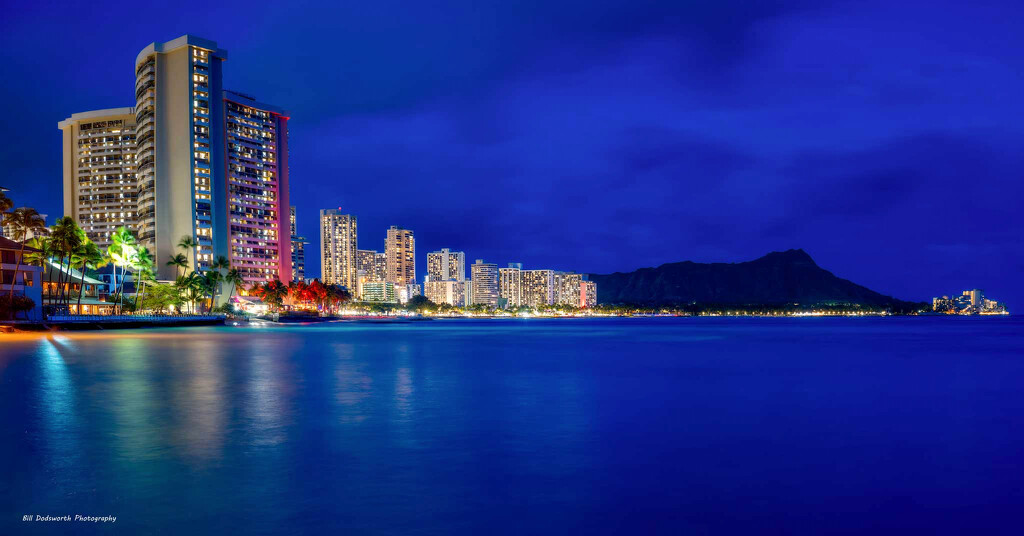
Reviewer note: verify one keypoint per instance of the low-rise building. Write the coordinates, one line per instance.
(62, 282)
(25, 279)
(380, 292)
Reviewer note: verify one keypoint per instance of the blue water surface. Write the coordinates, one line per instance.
(604, 426)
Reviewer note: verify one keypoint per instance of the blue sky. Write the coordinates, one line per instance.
(881, 137)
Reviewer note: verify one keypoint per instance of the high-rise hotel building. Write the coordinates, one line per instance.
(338, 245)
(180, 157)
(446, 265)
(208, 164)
(100, 189)
(510, 285)
(372, 264)
(400, 252)
(257, 185)
(538, 287)
(485, 283)
(298, 248)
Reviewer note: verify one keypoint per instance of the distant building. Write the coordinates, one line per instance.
(446, 265)
(100, 188)
(298, 248)
(588, 294)
(8, 231)
(338, 245)
(485, 284)
(379, 291)
(409, 292)
(510, 285)
(538, 287)
(449, 292)
(567, 285)
(372, 263)
(400, 252)
(969, 302)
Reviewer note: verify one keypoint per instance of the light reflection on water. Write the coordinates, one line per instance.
(518, 427)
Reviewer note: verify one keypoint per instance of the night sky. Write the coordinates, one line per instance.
(884, 138)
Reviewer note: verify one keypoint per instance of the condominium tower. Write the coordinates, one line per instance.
(371, 263)
(298, 248)
(257, 186)
(485, 283)
(510, 284)
(100, 189)
(338, 240)
(538, 287)
(400, 252)
(196, 161)
(178, 110)
(446, 265)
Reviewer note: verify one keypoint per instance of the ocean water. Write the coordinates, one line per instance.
(605, 426)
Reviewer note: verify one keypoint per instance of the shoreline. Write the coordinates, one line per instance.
(92, 324)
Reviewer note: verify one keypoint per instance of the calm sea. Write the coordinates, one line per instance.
(610, 426)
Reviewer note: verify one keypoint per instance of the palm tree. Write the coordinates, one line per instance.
(188, 243)
(220, 266)
(88, 255)
(41, 256)
(211, 281)
(143, 263)
(122, 253)
(180, 262)
(221, 263)
(272, 293)
(145, 276)
(65, 238)
(23, 221)
(5, 205)
(234, 278)
(191, 287)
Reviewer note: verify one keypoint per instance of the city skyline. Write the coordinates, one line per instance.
(675, 132)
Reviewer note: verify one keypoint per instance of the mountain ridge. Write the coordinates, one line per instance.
(777, 278)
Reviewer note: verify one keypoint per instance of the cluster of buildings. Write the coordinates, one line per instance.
(390, 276)
(969, 302)
(188, 158)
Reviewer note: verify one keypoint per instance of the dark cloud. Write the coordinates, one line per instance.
(598, 136)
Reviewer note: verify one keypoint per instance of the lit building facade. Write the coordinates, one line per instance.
(400, 256)
(538, 287)
(510, 285)
(446, 265)
(298, 248)
(568, 286)
(372, 263)
(195, 161)
(449, 292)
(100, 188)
(380, 291)
(259, 231)
(338, 245)
(180, 145)
(485, 283)
(588, 294)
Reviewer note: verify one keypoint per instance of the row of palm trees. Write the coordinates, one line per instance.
(324, 297)
(67, 246)
(198, 287)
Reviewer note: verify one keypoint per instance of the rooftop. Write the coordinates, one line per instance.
(182, 41)
(7, 243)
